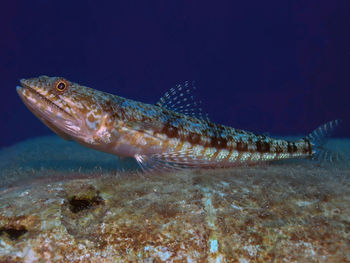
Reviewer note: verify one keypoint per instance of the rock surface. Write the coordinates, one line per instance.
(283, 212)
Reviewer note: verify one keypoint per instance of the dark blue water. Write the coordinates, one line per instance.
(276, 66)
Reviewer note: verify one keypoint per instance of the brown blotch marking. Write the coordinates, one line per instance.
(223, 143)
(242, 146)
(110, 107)
(250, 142)
(170, 131)
(291, 147)
(306, 147)
(218, 143)
(278, 149)
(194, 138)
(262, 146)
(295, 148)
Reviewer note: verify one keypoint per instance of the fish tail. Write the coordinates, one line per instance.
(319, 137)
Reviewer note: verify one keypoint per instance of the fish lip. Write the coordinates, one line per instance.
(19, 89)
(24, 86)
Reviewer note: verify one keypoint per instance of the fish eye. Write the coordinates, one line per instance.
(61, 86)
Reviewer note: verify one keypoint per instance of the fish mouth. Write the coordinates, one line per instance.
(39, 97)
(52, 115)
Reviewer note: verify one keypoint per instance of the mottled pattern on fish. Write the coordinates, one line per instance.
(172, 133)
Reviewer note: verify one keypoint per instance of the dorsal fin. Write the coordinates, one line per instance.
(181, 99)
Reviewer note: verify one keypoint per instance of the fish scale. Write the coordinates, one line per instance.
(173, 133)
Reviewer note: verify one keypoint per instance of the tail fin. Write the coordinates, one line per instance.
(319, 137)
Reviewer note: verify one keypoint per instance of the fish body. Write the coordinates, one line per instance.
(172, 133)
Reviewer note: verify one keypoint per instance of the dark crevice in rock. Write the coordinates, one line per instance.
(77, 203)
(13, 232)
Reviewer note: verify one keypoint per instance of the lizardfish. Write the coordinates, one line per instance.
(174, 133)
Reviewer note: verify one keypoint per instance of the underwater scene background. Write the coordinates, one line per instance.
(281, 67)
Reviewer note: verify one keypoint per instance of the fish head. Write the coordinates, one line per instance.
(71, 110)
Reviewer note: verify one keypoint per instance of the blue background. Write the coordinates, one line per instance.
(267, 66)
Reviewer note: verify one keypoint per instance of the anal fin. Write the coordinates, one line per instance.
(170, 161)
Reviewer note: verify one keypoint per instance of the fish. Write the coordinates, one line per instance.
(172, 134)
